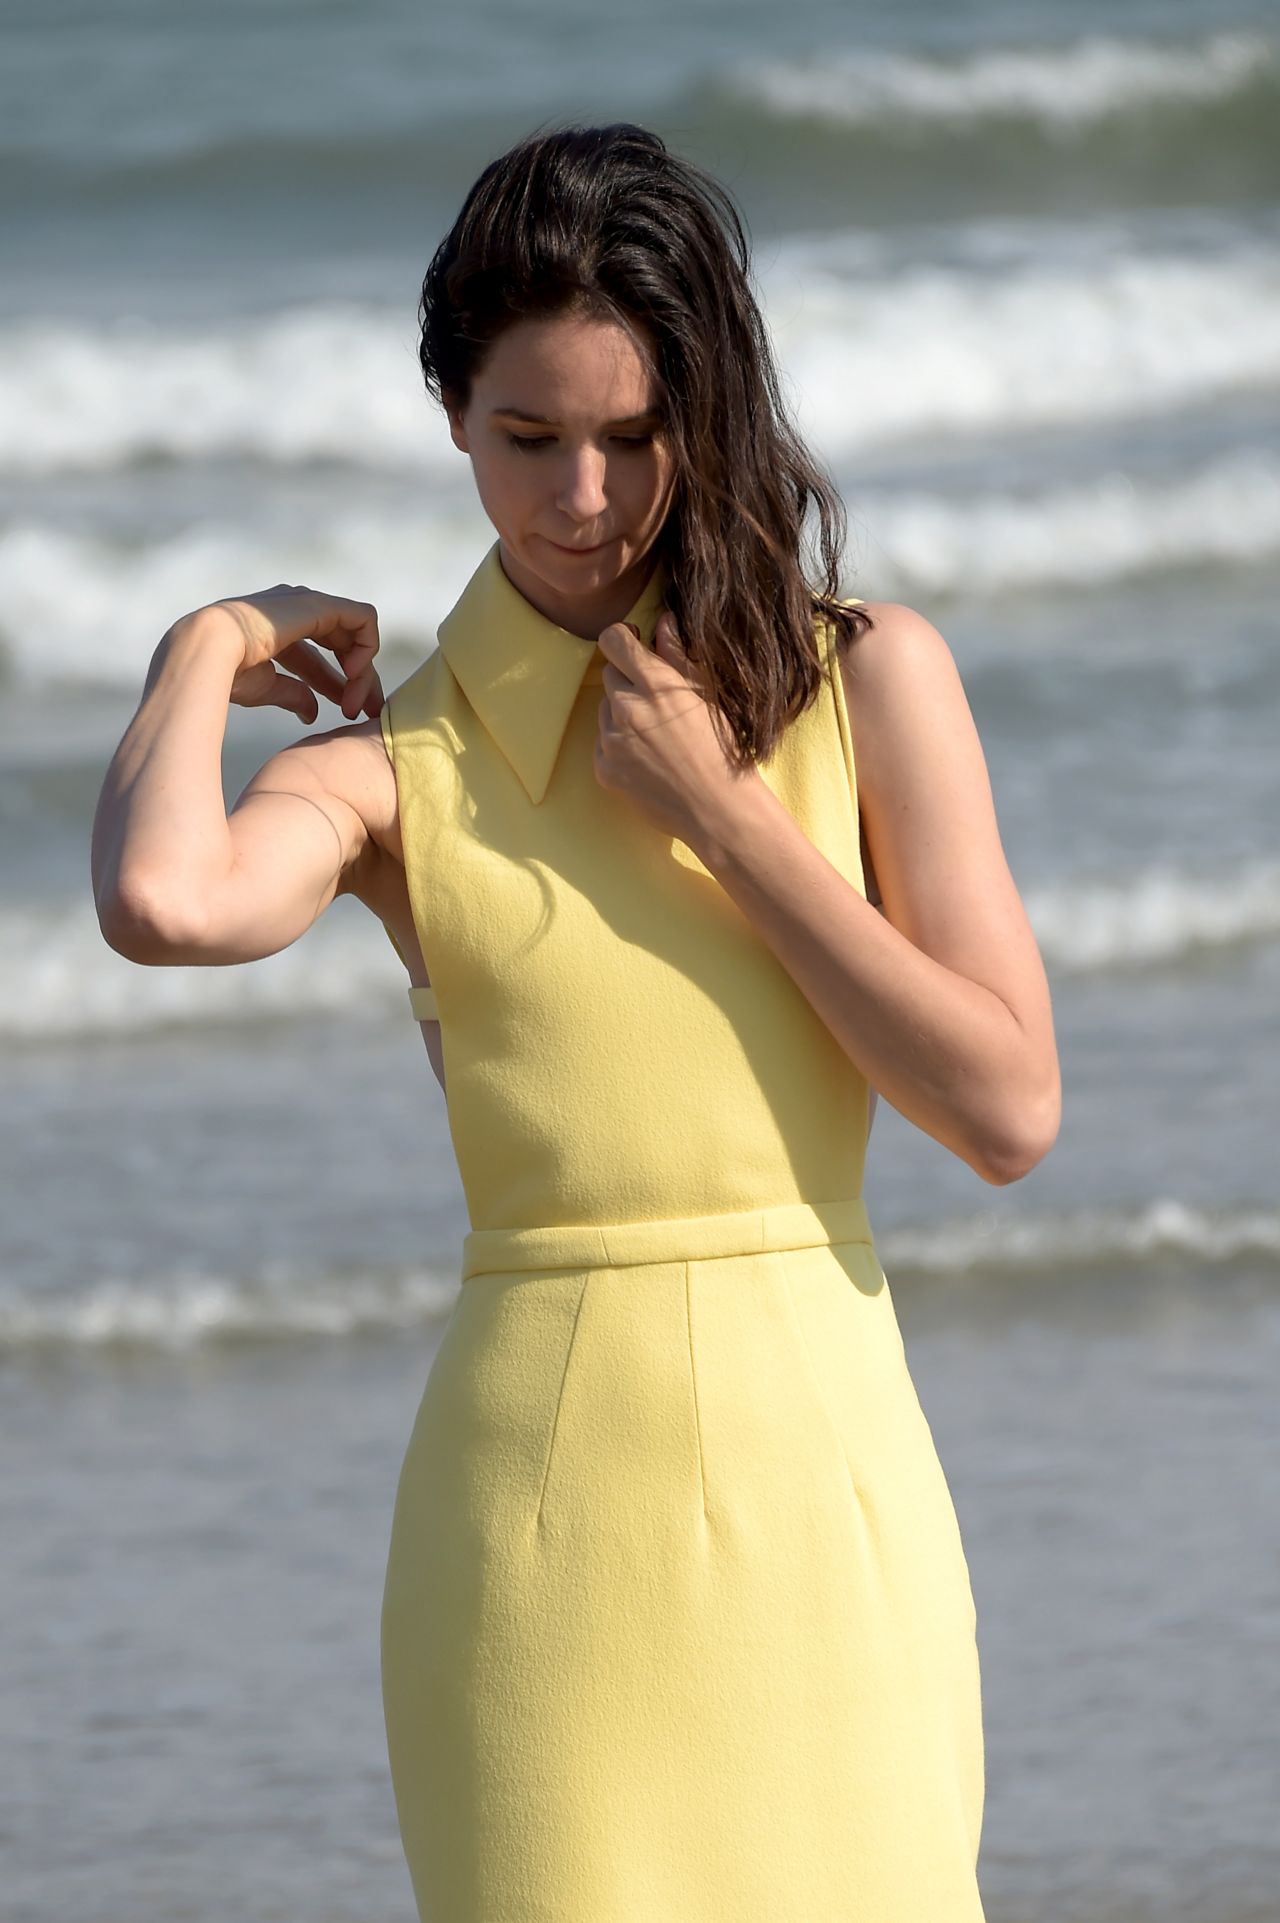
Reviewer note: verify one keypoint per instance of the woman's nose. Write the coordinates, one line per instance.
(582, 493)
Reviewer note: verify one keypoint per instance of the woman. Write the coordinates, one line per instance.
(677, 1621)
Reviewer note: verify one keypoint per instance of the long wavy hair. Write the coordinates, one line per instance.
(607, 221)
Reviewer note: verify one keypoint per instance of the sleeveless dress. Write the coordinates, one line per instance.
(677, 1624)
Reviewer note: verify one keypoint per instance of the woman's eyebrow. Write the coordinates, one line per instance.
(543, 420)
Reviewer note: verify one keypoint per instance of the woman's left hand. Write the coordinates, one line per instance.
(657, 741)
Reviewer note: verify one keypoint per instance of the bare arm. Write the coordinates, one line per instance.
(176, 880)
(942, 1000)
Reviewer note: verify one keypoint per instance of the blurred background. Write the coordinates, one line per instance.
(1022, 266)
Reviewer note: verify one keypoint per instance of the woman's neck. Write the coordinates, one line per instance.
(585, 615)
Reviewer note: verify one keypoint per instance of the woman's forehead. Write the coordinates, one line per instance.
(539, 367)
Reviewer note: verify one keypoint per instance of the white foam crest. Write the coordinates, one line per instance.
(190, 1311)
(1161, 915)
(1024, 328)
(76, 607)
(1032, 331)
(1064, 89)
(991, 1243)
(326, 381)
(58, 979)
(1085, 534)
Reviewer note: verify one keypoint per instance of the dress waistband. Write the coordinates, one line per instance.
(689, 1238)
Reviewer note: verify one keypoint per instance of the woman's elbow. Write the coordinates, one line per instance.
(1023, 1144)
(146, 925)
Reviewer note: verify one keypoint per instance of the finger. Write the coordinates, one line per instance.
(349, 629)
(669, 649)
(667, 636)
(672, 649)
(312, 667)
(291, 694)
(320, 674)
(621, 645)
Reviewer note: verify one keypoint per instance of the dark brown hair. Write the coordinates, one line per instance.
(607, 220)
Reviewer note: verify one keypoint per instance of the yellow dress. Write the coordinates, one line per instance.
(677, 1624)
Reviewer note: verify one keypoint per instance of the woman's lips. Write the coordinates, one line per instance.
(592, 550)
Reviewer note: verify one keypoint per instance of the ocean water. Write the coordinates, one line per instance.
(1022, 265)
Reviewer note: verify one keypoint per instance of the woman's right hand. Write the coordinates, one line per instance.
(280, 625)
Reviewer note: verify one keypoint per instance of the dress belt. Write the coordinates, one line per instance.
(677, 1238)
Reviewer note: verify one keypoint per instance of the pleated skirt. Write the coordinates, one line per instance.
(677, 1624)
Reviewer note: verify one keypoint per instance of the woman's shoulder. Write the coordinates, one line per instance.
(895, 646)
(907, 707)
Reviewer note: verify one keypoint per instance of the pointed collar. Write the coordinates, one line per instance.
(521, 672)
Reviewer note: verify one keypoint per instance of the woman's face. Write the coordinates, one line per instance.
(562, 431)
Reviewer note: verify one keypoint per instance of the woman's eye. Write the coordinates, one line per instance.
(534, 441)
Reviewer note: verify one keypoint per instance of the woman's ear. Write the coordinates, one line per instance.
(457, 432)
